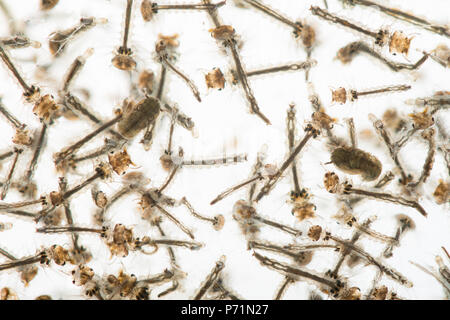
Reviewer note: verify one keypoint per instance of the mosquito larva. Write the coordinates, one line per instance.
(335, 285)
(386, 270)
(441, 55)
(341, 95)
(348, 189)
(10, 174)
(387, 178)
(246, 216)
(310, 132)
(169, 242)
(405, 16)
(306, 65)
(397, 41)
(68, 151)
(19, 41)
(59, 39)
(349, 219)
(234, 188)
(348, 52)
(226, 34)
(164, 57)
(393, 151)
(75, 68)
(297, 26)
(123, 60)
(150, 8)
(405, 224)
(210, 279)
(301, 257)
(439, 99)
(74, 103)
(211, 162)
(22, 136)
(150, 199)
(217, 222)
(427, 135)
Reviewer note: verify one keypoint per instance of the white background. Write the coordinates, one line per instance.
(225, 125)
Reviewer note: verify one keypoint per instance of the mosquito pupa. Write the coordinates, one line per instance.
(123, 59)
(396, 41)
(405, 16)
(210, 279)
(355, 161)
(442, 192)
(343, 95)
(137, 116)
(348, 52)
(19, 41)
(146, 81)
(150, 8)
(59, 39)
(215, 79)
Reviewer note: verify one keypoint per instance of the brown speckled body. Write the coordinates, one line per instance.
(356, 161)
(138, 116)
